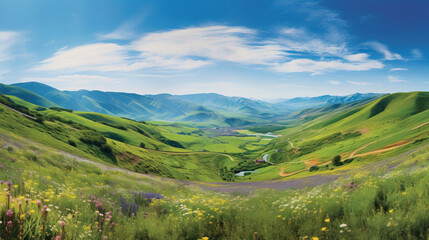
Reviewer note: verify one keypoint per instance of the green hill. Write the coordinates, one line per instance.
(26, 95)
(383, 127)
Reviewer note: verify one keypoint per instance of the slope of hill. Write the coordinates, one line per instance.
(378, 129)
(26, 95)
(113, 140)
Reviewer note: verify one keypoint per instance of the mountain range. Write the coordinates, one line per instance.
(202, 107)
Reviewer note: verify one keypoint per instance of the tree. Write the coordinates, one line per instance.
(336, 161)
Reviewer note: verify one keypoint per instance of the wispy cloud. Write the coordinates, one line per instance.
(97, 56)
(395, 79)
(217, 43)
(381, 48)
(334, 82)
(309, 65)
(416, 54)
(359, 83)
(294, 50)
(7, 40)
(398, 69)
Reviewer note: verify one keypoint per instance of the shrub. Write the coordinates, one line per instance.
(314, 168)
(106, 149)
(336, 161)
(142, 145)
(348, 160)
(72, 143)
(93, 138)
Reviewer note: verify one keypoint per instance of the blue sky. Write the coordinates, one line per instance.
(251, 48)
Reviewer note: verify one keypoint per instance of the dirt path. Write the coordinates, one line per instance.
(402, 143)
(308, 164)
(291, 144)
(23, 114)
(421, 125)
(353, 154)
(282, 174)
(226, 155)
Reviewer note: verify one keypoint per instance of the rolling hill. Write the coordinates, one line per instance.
(365, 132)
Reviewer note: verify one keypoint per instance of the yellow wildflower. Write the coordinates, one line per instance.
(323, 229)
(327, 220)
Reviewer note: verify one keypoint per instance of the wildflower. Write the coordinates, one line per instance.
(343, 225)
(63, 224)
(9, 213)
(105, 237)
(327, 220)
(315, 238)
(323, 229)
(9, 223)
(58, 238)
(391, 211)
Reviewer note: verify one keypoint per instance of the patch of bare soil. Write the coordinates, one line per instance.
(128, 157)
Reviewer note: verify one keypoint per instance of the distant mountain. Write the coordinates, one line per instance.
(325, 100)
(195, 107)
(219, 102)
(203, 107)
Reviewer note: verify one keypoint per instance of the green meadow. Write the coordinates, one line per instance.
(83, 175)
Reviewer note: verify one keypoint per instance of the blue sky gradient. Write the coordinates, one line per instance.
(251, 48)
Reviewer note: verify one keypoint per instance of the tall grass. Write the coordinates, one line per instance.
(52, 197)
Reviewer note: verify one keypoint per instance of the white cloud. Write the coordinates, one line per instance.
(394, 79)
(398, 69)
(290, 31)
(359, 83)
(7, 40)
(308, 65)
(97, 56)
(417, 54)
(294, 50)
(360, 57)
(334, 82)
(388, 55)
(222, 43)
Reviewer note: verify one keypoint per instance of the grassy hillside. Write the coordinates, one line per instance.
(358, 132)
(48, 195)
(381, 128)
(26, 95)
(79, 135)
